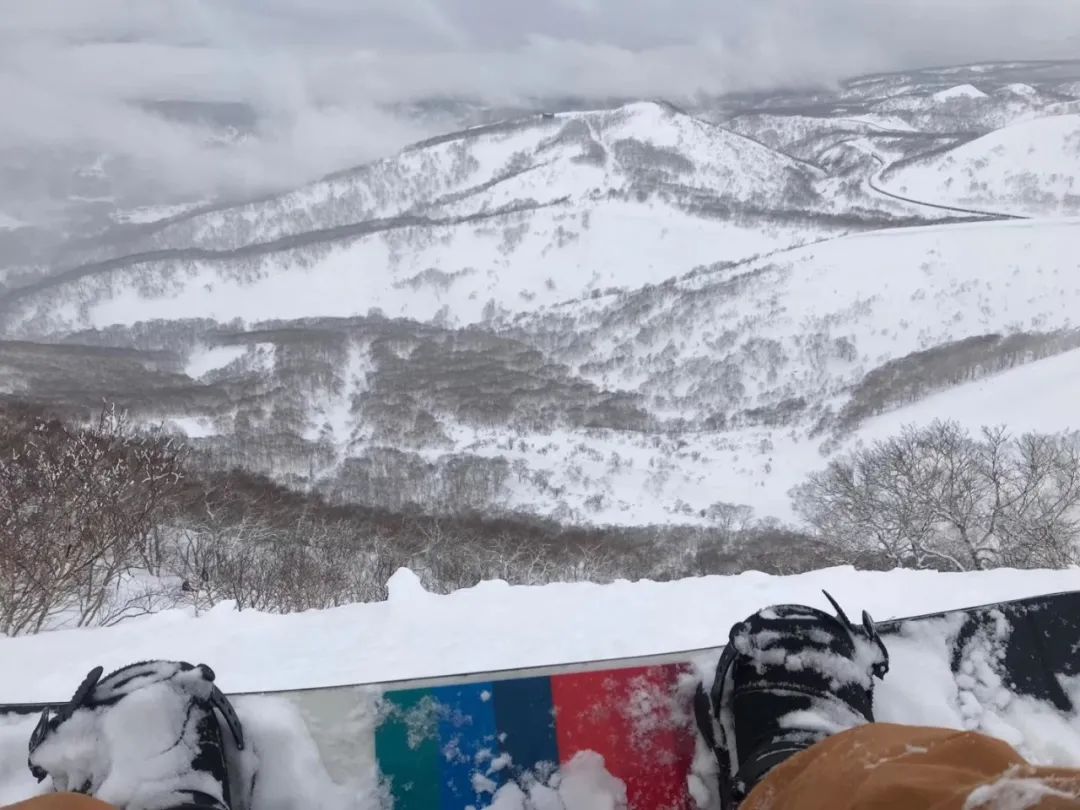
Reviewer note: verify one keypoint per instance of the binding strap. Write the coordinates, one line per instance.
(710, 707)
(222, 704)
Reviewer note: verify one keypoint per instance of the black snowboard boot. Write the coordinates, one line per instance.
(144, 738)
(789, 676)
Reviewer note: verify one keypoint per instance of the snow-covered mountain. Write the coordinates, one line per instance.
(500, 218)
(626, 315)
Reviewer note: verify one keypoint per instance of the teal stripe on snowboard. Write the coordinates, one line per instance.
(408, 749)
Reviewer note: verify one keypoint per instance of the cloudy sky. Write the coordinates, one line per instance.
(318, 71)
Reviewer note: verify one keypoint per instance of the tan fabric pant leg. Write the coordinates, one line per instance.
(60, 801)
(881, 766)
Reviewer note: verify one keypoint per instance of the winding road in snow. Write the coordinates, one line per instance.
(874, 182)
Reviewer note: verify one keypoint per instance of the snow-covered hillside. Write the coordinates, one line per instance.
(812, 322)
(617, 316)
(964, 99)
(495, 626)
(767, 361)
(506, 217)
(456, 272)
(540, 158)
(1027, 169)
(767, 353)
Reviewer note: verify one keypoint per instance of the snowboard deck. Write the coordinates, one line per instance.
(442, 747)
(449, 743)
(449, 747)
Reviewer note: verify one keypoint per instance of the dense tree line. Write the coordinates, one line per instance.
(916, 375)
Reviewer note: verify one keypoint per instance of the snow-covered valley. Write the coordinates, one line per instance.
(622, 316)
(486, 403)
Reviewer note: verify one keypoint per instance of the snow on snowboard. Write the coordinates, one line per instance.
(451, 743)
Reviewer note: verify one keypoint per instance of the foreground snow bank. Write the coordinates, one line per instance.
(491, 626)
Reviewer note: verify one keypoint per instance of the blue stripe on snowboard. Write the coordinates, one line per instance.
(521, 708)
(468, 741)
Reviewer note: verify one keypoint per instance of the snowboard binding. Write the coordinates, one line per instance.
(789, 676)
(143, 738)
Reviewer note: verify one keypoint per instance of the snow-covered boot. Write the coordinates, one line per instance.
(789, 676)
(143, 738)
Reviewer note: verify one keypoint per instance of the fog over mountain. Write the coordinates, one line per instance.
(194, 98)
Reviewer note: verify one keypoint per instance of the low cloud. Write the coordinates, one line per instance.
(322, 76)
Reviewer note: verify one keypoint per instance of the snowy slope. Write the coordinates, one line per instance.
(625, 315)
(963, 109)
(1031, 168)
(758, 355)
(1018, 89)
(804, 135)
(573, 155)
(754, 356)
(812, 322)
(624, 479)
(848, 147)
(455, 273)
(1036, 397)
(764, 352)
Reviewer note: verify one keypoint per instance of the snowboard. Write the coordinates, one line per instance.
(437, 744)
(450, 747)
(450, 743)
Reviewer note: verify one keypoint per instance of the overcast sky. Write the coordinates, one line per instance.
(316, 70)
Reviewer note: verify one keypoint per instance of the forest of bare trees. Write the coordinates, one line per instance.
(101, 522)
(79, 509)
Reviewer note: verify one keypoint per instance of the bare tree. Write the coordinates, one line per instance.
(936, 497)
(1044, 522)
(77, 512)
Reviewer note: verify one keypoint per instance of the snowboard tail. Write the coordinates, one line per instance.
(1035, 640)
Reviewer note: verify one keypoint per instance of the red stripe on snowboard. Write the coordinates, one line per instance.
(633, 719)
